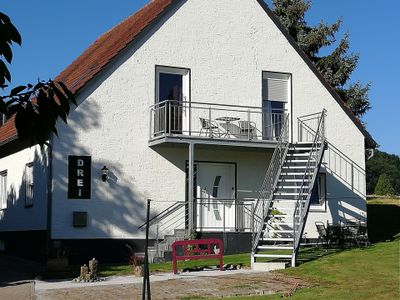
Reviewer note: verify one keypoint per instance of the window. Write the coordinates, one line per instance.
(318, 196)
(29, 185)
(3, 190)
(276, 94)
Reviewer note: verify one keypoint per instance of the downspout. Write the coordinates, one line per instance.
(49, 191)
(370, 153)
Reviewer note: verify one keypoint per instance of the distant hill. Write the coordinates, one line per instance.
(383, 163)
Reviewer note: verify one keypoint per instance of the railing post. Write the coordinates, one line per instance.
(190, 118)
(248, 125)
(209, 120)
(151, 132)
(170, 107)
(352, 177)
(165, 118)
(223, 220)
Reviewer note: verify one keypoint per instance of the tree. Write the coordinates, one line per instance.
(384, 186)
(335, 67)
(36, 107)
(383, 163)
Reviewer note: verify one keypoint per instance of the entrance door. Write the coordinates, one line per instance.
(172, 90)
(215, 197)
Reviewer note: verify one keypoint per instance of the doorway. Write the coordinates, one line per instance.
(216, 197)
(172, 100)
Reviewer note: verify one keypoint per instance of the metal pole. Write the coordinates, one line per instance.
(191, 185)
(146, 277)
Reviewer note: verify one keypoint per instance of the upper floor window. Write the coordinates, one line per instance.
(3, 190)
(275, 99)
(29, 185)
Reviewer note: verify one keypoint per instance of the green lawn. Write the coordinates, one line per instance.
(368, 273)
(371, 273)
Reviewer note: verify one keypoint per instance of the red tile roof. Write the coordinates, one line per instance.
(100, 53)
(110, 44)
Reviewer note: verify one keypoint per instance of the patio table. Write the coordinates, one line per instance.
(227, 120)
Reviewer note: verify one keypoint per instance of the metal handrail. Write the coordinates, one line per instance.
(303, 200)
(165, 213)
(182, 118)
(354, 167)
(263, 203)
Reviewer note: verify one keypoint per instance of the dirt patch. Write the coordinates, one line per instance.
(218, 286)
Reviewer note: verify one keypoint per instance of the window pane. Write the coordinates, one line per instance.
(170, 87)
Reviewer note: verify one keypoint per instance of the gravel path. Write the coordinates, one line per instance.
(189, 286)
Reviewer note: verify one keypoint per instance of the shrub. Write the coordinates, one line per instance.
(384, 186)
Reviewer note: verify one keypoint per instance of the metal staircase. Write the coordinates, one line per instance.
(282, 208)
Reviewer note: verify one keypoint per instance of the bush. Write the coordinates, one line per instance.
(384, 186)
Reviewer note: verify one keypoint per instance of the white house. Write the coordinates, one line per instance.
(209, 109)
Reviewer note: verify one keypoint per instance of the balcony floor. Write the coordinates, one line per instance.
(186, 139)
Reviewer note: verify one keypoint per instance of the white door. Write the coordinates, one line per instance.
(216, 197)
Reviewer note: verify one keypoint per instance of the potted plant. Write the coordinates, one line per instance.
(137, 262)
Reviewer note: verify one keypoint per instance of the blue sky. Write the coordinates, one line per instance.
(55, 32)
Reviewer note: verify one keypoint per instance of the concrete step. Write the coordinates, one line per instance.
(268, 266)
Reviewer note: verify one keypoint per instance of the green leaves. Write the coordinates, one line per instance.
(336, 67)
(8, 35)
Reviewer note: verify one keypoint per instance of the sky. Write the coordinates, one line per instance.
(54, 33)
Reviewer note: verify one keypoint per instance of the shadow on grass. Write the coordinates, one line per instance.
(383, 222)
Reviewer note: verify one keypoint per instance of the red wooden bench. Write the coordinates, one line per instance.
(197, 249)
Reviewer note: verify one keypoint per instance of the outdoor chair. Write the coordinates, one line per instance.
(210, 128)
(247, 129)
(322, 233)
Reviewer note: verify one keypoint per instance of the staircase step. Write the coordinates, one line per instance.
(293, 180)
(268, 266)
(277, 239)
(291, 187)
(295, 173)
(272, 247)
(273, 255)
(280, 231)
(288, 194)
(294, 167)
(280, 224)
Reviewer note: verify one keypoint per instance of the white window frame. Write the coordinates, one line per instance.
(29, 184)
(3, 189)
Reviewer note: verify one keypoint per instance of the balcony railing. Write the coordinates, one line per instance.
(214, 121)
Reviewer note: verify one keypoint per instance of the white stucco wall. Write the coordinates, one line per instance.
(226, 45)
(17, 217)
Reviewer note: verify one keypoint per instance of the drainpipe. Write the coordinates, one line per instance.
(370, 153)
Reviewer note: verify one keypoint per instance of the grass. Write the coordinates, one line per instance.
(383, 200)
(368, 273)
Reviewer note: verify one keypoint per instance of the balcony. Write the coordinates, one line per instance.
(216, 123)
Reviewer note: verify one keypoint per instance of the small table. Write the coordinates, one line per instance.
(227, 120)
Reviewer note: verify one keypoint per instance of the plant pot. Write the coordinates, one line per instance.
(138, 271)
(57, 264)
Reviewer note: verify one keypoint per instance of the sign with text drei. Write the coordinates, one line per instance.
(79, 177)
